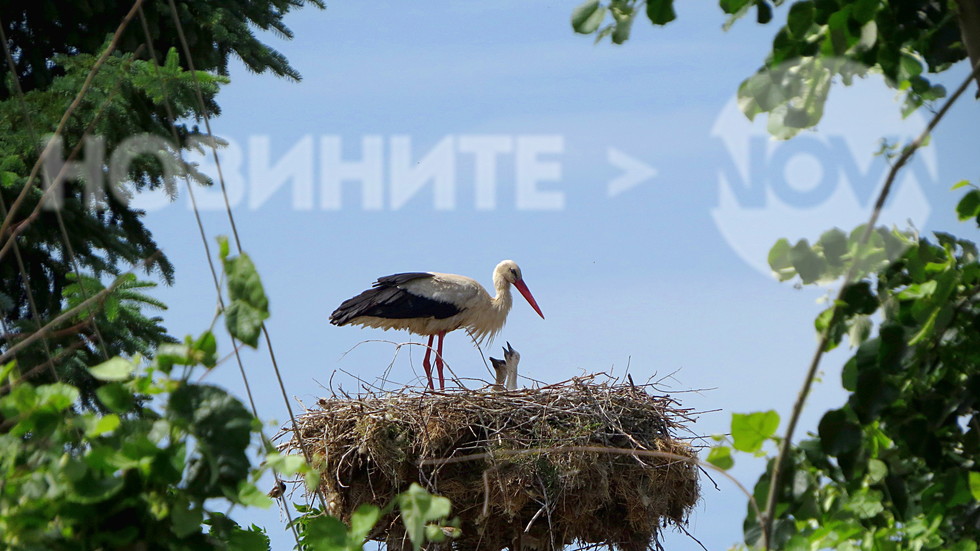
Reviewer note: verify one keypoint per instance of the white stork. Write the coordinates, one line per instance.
(432, 304)
(506, 369)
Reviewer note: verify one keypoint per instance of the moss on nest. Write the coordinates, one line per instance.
(577, 462)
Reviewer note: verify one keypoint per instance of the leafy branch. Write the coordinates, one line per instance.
(825, 336)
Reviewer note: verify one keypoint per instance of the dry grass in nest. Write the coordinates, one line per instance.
(577, 462)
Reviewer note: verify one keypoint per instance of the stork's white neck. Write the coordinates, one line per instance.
(490, 320)
(504, 300)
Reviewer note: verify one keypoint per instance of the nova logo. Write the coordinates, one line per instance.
(820, 179)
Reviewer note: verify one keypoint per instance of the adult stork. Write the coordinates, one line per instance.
(433, 304)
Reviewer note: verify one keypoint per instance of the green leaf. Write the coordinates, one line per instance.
(969, 205)
(763, 12)
(759, 94)
(418, 507)
(603, 34)
(859, 330)
(721, 457)
(838, 36)
(115, 397)
(838, 434)
(250, 496)
(928, 328)
(94, 490)
(325, 533)
(237, 539)
(587, 17)
(807, 263)
(800, 18)
(877, 471)
(207, 346)
(910, 67)
(823, 319)
(115, 369)
(286, 465)
(849, 373)
(105, 424)
(974, 479)
(249, 306)
(362, 521)
(833, 244)
(733, 6)
(660, 12)
(223, 248)
(622, 31)
(171, 354)
(750, 431)
(780, 262)
(918, 290)
(859, 298)
(958, 185)
(865, 10)
(244, 283)
(185, 519)
(244, 322)
(56, 396)
(22, 398)
(222, 429)
(6, 369)
(866, 505)
(311, 479)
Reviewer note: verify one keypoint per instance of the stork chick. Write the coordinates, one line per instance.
(506, 369)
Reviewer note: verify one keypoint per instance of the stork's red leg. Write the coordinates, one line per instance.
(442, 382)
(425, 362)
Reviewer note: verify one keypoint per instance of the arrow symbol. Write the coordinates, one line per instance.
(634, 172)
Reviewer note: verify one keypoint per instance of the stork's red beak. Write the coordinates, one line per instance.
(522, 287)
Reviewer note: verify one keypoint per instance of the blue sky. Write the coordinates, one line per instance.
(663, 277)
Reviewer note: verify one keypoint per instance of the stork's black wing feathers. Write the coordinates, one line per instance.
(395, 280)
(386, 299)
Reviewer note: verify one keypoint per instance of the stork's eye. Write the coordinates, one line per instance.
(513, 272)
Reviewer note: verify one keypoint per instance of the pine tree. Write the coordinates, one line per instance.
(53, 46)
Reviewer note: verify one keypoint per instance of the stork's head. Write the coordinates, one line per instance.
(511, 356)
(508, 272)
(500, 367)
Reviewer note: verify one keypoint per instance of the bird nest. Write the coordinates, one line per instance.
(578, 462)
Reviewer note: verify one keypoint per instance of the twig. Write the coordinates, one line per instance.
(534, 518)
(398, 346)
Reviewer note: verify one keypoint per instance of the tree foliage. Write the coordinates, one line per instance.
(102, 234)
(85, 231)
(137, 471)
(895, 467)
(139, 474)
(105, 441)
(821, 41)
(40, 31)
